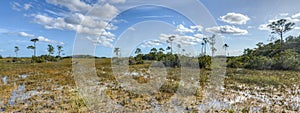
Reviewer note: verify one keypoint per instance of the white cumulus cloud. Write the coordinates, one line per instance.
(296, 15)
(102, 41)
(31, 36)
(151, 43)
(264, 27)
(182, 29)
(43, 39)
(235, 18)
(23, 34)
(199, 28)
(95, 22)
(106, 11)
(227, 30)
(180, 39)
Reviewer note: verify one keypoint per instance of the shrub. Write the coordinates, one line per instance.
(235, 62)
(287, 60)
(260, 63)
(204, 61)
(44, 58)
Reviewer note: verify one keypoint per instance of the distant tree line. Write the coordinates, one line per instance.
(42, 58)
(169, 59)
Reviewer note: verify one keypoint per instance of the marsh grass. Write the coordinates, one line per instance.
(263, 78)
(58, 92)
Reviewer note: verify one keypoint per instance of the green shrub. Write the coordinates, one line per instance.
(205, 62)
(235, 62)
(287, 60)
(260, 63)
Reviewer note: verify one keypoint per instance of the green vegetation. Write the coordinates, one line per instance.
(278, 55)
(270, 56)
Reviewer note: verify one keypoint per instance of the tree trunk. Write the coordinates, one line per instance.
(171, 48)
(281, 40)
(34, 49)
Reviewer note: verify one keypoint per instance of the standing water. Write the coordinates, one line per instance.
(4, 79)
(23, 76)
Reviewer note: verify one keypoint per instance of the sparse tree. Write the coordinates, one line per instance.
(34, 40)
(168, 48)
(139, 57)
(202, 49)
(225, 46)
(280, 27)
(117, 51)
(170, 40)
(161, 49)
(16, 51)
(59, 50)
(205, 41)
(212, 42)
(179, 48)
(138, 51)
(153, 50)
(50, 49)
(33, 48)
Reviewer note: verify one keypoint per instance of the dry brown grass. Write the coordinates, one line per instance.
(58, 92)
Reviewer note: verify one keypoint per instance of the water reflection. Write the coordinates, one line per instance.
(19, 95)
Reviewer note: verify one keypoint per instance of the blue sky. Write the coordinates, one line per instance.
(97, 26)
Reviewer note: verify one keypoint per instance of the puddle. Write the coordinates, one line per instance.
(4, 79)
(20, 95)
(135, 74)
(213, 104)
(24, 76)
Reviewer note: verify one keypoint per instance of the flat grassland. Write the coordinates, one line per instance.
(51, 87)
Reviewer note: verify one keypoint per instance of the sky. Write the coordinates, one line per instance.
(96, 27)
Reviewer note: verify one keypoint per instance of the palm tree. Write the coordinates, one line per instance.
(59, 50)
(34, 40)
(117, 51)
(225, 46)
(16, 51)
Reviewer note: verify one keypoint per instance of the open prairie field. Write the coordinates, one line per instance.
(51, 87)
